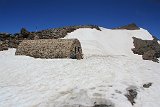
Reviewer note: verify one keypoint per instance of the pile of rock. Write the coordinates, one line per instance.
(4, 41)
(3, 46)
(149, 49)
(131, 26)
(54, 33)
(9, 41)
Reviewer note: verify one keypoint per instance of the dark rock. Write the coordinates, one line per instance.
(155, 38)
(147, 85)
(13, 43)
(15, 39)
(61, 32)
(24, 33)
(4, 36)
(131, 26)
(131, 95)
(149, 49)
(100, 102)
(150, 55)
(4, 40)
(3, 45)
(9, 41)
(101, 105)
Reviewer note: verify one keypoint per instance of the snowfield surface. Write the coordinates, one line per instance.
(109, 67)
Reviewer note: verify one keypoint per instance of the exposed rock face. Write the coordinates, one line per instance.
(149, 49)
(131, 94)
(131, 26)
(3, 46)
(60, 32)
(24, 33)
(4, 41)
(12, 41)
(150, 55)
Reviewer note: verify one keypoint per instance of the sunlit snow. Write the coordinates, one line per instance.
(109, 67)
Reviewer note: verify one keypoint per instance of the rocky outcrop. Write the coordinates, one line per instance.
(131, 94)
(131, 26)
(3, 46)
(9, 40)
(4, 41)
(149, 49)
(12, 41)
(60, 32)
(24, 33)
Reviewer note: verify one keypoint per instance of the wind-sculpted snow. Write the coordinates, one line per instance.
(108, 69)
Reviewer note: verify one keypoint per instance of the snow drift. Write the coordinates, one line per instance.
(108, 69)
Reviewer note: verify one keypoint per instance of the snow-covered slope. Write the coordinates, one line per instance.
(108, 42)
(109, 67)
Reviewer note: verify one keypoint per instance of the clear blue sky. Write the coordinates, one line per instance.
(43, 14)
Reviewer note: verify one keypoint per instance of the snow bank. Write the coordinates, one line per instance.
(108, 69)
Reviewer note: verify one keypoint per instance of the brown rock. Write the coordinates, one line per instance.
(149, 49)
(131, 26)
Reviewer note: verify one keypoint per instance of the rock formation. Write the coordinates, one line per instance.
(149, 49)
(60, 32)
(12, 41)
(131, 26)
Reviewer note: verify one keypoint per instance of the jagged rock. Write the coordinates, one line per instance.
(4, 41)
(61, 32)
(4, 36)
(9, 41)
(24, 33)
(15, 40)
(13, 43)
(155, 38)
(150, 55)
(3, 45)
(147, 85)
(131, 94)
(131, 26)
(149, 49)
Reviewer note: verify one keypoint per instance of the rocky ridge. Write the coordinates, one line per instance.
(131, 26)
(13, 40)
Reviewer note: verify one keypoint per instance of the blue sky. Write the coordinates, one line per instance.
(44, 14)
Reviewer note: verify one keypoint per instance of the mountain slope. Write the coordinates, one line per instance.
(108, 69)
(108, 42)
